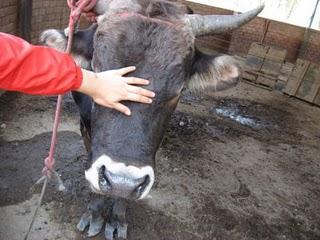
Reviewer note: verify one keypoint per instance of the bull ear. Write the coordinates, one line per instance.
(213, 73)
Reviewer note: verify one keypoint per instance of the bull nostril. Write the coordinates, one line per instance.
(140, 189)
(103, 179)
(124, 184)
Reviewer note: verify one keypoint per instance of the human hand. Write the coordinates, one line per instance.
(110, 87)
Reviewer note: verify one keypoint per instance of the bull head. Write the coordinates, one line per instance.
(157, 36)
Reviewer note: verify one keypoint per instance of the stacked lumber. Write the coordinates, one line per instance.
(304, 82)
(284, 75)
(264, 66)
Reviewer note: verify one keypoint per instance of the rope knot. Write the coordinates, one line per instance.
(48, 166)
(78, 7)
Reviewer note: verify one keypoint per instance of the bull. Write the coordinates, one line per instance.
(158, 37)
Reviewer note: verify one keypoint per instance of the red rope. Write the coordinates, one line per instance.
(82, 6)
(77, 7)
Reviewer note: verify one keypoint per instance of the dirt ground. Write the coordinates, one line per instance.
(238, 165)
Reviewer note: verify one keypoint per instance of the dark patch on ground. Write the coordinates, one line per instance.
(236, 118)
(258, 120)
(22, 162)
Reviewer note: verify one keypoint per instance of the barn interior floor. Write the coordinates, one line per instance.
(240, 164)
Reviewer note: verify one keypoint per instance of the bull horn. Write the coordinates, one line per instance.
(214, 24)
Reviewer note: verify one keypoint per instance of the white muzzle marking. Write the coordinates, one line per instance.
(92, 174)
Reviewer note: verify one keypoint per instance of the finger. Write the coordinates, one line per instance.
(90, 6)
(134, 80)
(123, 71)
(140, 91)
(122, 108)
(138, 98)
(70, 3)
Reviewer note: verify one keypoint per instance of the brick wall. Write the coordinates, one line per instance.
(48, 14)
(312, 51)
(54, 14)
(45, 14)
(8, 16)
(279, 34)
(286, 36)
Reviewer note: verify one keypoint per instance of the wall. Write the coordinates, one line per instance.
(8, 16)
(313, 47)
(45, 14)
(54, 14)
(279, 34)
(48, 14)
(218, 43)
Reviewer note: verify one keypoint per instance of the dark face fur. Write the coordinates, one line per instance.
(162, 50)
(151, 35)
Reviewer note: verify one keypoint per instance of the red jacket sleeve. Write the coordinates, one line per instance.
(36, 69)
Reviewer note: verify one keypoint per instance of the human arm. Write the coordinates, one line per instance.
(36, 70)
(41, 70)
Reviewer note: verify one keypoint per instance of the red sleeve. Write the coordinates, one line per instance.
(36, 69)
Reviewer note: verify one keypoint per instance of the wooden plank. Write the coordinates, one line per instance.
(271, 67)
(249, 76)
(310, 84)
(266, 81)
(300, 68)
(296, 77)
(280, 85)
(283, 77)
(314, 72)
(258, 50)
(254, 63)
(286, 71)
(24, 19)
(241, 61)
(292, 86)
(317, 99)
(263, 74)
(276, 54)
(287, 68)
(257, 85)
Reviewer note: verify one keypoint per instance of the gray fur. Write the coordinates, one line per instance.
(216, 74)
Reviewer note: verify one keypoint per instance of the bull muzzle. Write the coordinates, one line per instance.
(117, 179)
